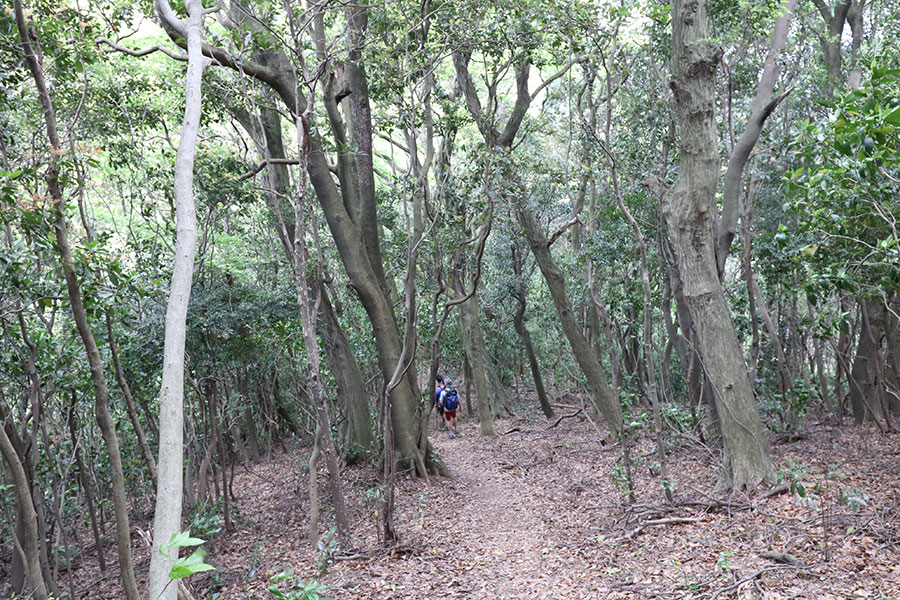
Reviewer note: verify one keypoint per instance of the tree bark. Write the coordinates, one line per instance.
(522, 331)
(473, 344)
(835, 19)
(27, 544)
(689, 207)
(132, 409)
(602, 395)
(865, 383)
(167, 517)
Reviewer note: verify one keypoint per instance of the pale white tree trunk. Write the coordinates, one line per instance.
(167, 519)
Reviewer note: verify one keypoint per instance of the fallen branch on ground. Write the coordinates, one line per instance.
(670, 521)
(574, 414)
(782, 557)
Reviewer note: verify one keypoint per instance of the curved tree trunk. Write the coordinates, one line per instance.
(167, 518)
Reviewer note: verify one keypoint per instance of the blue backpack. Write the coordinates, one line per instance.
(451, 398)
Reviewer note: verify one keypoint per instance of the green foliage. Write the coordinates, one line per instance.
(189, 565)
(844, 192)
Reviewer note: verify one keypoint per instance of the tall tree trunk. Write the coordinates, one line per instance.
(835, 16)
(309, 310)
(865, 383)
(764, 102)
(132, 409)
(358, 429)
(355, 403)
(86, 485)
(167, 517)
(522, 331)
(689, 208)
(101, 393)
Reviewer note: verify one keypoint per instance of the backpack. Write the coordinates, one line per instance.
(451, 398)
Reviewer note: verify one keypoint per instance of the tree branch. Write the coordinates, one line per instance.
(763, 105)
(142, 52)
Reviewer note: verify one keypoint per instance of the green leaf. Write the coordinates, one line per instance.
(183, 539)
(893, 117)
(185, 567)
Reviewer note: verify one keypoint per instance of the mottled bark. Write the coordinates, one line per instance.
(689, 207)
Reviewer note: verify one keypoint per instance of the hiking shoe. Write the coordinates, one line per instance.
(455, 432)
(450, 436)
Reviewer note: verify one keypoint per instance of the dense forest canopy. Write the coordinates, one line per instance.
(232, 225)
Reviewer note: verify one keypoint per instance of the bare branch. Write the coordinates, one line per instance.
(142, 51)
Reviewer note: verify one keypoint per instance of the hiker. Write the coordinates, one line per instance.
(449, 402)
(438, 388)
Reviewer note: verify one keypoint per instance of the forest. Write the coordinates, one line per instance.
(653, 248)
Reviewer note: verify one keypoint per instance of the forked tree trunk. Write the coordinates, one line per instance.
(167, 518)
(689, 207)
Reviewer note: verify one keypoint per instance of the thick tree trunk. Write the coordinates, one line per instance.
(689, 208)
(358, 430)
(865, 383)
(835, 17)
(167, 518)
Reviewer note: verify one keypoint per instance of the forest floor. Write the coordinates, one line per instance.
(537, 512)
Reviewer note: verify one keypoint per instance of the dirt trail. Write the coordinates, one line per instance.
(505, 535)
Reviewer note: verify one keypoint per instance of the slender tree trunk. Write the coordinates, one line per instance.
(473, 343)
(86, 486)
(689, 207)
(132, 409)
(101, 393)
(25, 544)
(309, 309)
(764, 102)
(602, 395)
(522, 331)
(167, 518)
